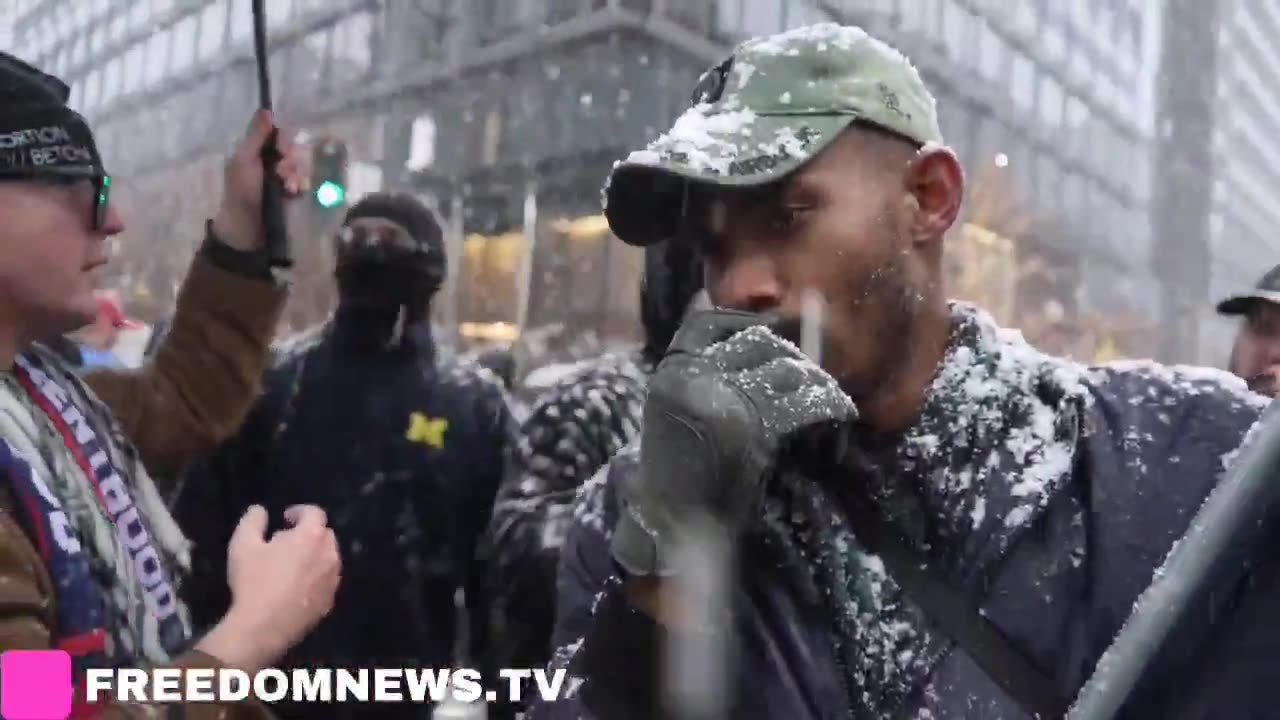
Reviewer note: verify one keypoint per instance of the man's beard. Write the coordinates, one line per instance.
(891, 306)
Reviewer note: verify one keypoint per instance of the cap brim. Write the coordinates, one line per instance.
(645, 195)
(1240, 304)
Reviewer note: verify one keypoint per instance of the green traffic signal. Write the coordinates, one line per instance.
(330, 194)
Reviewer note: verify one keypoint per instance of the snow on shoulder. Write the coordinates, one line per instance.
(1190, 380)
(467, 372)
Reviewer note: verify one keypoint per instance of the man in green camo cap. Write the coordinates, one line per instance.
(810, 161)
(933, 519)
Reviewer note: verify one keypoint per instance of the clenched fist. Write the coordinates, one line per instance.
(280, 587)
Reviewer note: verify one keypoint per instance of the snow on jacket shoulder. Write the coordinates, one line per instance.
(1151, 443)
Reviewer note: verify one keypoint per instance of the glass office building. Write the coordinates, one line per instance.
(508, 114)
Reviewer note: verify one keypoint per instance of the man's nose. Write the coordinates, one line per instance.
(113, 222)
(749, 282)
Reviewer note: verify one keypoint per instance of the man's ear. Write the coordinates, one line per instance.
(935, 182)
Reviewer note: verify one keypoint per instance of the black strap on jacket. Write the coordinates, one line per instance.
(958, 617)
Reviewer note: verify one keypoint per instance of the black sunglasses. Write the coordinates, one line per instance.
(64, 176)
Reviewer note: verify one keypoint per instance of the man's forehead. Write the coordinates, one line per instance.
(1265, 309)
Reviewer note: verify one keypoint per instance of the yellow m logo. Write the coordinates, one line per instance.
(426, 430)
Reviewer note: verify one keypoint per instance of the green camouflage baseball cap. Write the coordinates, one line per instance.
(773, 104)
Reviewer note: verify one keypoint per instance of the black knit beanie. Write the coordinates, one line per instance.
(406, 210)
(38, 132)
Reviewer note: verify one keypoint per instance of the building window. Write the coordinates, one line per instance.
(79, 14)
(78, 44)
(241, 22)
(312, 62)
(1051, 101)
(957, 29)
(1023, 86)
(992, 53)
(1053, 40)
(157, 58)
(111, 80)
(184, 42)
(1082, 67)
(139, 14)
(213, 28)
(278, 12)
(92, 86)
(352, 47)
(133, 61)
(1027, 18)
(919, 18)
(697, 15)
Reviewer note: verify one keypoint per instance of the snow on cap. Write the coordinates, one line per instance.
(762, 113)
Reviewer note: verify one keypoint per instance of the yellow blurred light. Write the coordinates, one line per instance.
(582, 228)
(987, 237)
(500, 253)
(493, 331)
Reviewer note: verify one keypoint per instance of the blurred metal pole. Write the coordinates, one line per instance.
(812, 306)
(454, 249)
(698, 662)
(526, 262)
(1225, 533)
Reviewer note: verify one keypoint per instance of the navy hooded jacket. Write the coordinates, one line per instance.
(1046, 492)
(404, 451)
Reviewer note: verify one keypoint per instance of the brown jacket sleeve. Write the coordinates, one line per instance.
(27, 614)
(204, 376)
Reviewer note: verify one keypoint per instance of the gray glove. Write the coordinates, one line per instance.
(720, 405)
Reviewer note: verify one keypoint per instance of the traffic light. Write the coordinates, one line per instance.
(329, 173)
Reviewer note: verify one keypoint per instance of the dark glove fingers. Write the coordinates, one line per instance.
(807, 396)
(813, 405)
(708, 327)
(751, 348)
(776, 377)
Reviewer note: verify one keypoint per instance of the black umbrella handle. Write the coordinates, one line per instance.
(273, 222)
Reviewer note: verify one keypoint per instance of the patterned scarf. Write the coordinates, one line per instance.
(134, 634)
(995, 439)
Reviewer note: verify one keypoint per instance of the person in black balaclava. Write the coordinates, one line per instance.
(401, 448)
(572, 430)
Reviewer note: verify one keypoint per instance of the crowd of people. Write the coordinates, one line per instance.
(917, 512)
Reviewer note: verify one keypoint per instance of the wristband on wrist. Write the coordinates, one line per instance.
(252, 264)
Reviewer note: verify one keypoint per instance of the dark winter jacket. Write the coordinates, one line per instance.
(1045, 492)
(404, 452)
(571, 431)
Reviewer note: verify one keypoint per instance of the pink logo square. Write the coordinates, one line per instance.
(35, 685)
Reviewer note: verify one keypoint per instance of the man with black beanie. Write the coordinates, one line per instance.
(403, 450)
(91, 562)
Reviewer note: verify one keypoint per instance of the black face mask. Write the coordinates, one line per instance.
(385, 283)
